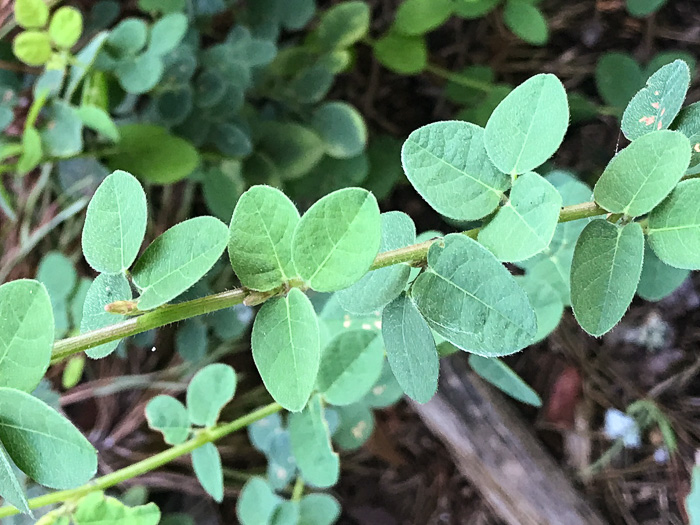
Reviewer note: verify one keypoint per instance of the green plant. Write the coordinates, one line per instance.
(388, 287)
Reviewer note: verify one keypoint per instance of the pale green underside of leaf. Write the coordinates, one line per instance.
(658, 280)
(380, 287)
(208, 392)
(257, 502)
(639, 177)
(318, 509)
(350, 366)
(260, 242)
(605, 273)
(206, 463)
(525, 225)
(169, 417)
(410, 349)
(286, 348)
(447, 163)
(502, 377)
(545, 300)
(105, 289)
(674, 227)
(469, 298)
(42, 443)
(337, 239)
(355, 428)
(26, 333)
(178, 259)
(655, 106)
(528, 126)
(115, 224)
(311, 444)
(11, 489)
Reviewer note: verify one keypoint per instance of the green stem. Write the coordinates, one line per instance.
(173, 313)
(298, 490)
(148, 464)
(461, 80)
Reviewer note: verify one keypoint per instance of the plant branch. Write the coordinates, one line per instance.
(173, 313)
(148, 464)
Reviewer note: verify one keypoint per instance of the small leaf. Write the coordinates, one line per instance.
(337, 239)
(206, 462)
(385, 392)
(604, 274)
(11, 488)
(471, 9)
(286, 514)
(260, 242)
(115, 224)
(618, 77)
(502, 377)
(31, 151)
(32, 47)
(410, 349)
(26, 333)
(257, 502)
(525, 225)
(169, 417)
(262, 432)
(84, 61)
(128, 37)
(311, 444)
(318, 509)
(42, 443)
(178, 259)
(526, 21)
(639, 177)
(471, 300)
(344, 24)
(379, 287)
(98, 120)
(167, 33)
(139, 74)
(658, 280)
(105, 289)
(98, 509)
(655, 106)
(66, 27)
(356, 426)
(447, 163)
(63, 135)
(642, 8)
(674, 227)
(342, 129)
(350, 366)
(286, 348)
(222, 187)
(281, 465)
(295, 14)
(405, 55)
(73, 372)
(208, 392)
(528, 126)
(293, 148)
(546, 301)
(57, 274)
(191, 340)
(416, 17)
(688, 123)
(31, 13)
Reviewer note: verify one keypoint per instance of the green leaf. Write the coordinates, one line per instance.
(262, 432)
(128, 37)
(410, 349)
(311, 444)
(257, 502)
(167, 33)
(57, 274)
(416, 17)
(42, 443)
(337, 239)
(526, 21)
(115, 224)
(446, 162)
(222, 187)
(293, 148)
(342, 129)
(98, 120)
(688, 123)
(379, 287)
(63, 134)
(286, 348)
(73, 372)
(319, 509)
(77, 302)
(642, 8)
(529, 125)
(84, 61)
(11, 488)
(66, 27)
(286, 514)
(281, 465)
(335, 320)
(31, 151)
(655, 106)
(260, 242)
(178, 259)
(105, 289)
(639, 177)
(405, 55)
(169, 417)
(546, 300)
(618, 77)
(658, 280)
(350, 366)
(674, 227)
(604, 274)
(356, 426)
(98, 509)
(139, 74)
(26, 333)
(328, 176)
(667, 57)
(344, 24)
(32, 47)
(295, 14)
(500, 375)
(525, 225)
(208, 392)
(191, 340)
(31, 13)
(385, 392)
(162, 6)
(471, 9)
(206, 462)
(471, 300)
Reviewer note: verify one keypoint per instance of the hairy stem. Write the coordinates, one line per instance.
(414, 254)
(149, 464)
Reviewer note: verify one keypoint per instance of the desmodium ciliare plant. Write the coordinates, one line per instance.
(393, 294)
